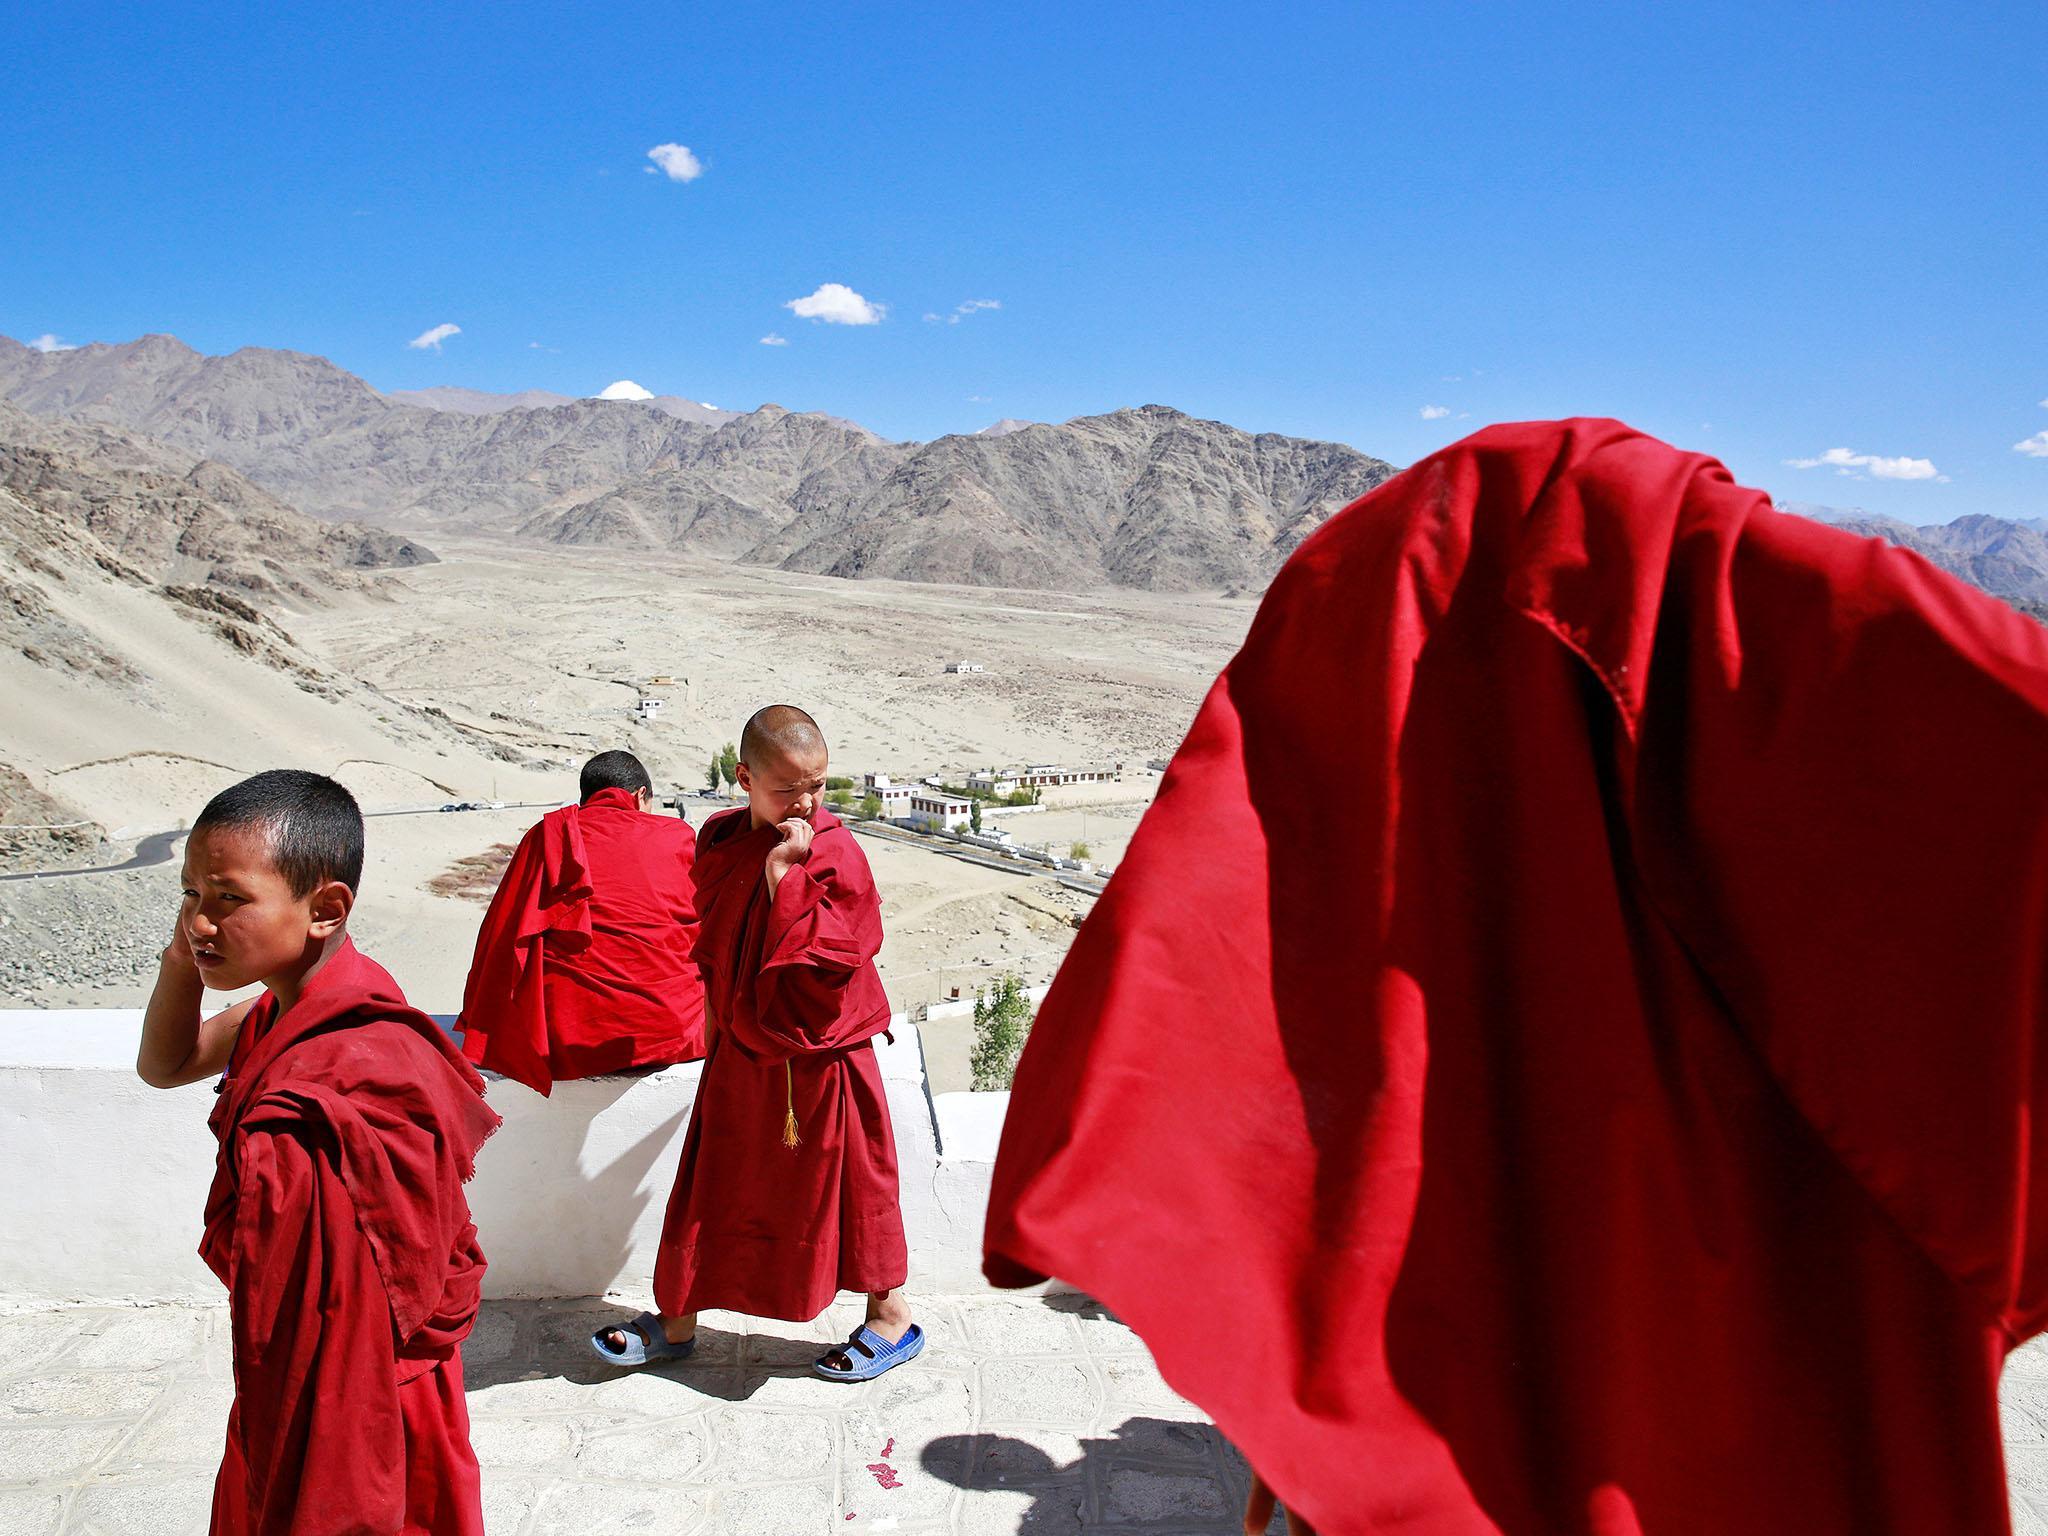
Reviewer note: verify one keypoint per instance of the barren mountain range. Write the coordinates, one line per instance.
(1147, 498)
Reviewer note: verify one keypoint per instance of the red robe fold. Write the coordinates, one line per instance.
(1562, 1053)
(755, 1226)
(338, 1222)
(583, 964)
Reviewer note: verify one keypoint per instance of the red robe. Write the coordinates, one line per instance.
(1562, 1053)
(756, 1226)
(583, 964)
(337, 1220)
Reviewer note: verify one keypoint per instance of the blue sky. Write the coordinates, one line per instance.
(1764, 231)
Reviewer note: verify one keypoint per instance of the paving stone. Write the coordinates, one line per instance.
(1168, 1442)
(31, 1510)
(81, 1395)
(1053, 1511)
(522, 1444)
(1143, 1494)
(27, 1340)
(1003, 1455)
(1134, 1382)
(1039, 1391)
(188, 1425)
(491, 1340)
(507, 1503)
(617, 1509)
(1101, 1332)
(149, 1506)
(139, 1340)
(648, 1394)
(62, 1449)
(760, 1447)
(793, 1509)
(1020, 1328)
(653, 1453)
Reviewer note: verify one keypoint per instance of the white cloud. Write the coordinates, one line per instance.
(2035, 447)
(963, 310)
(978, 399)
(1435, 412)
(430, 341)
(49, 343)
(837, 304)
(1844, 462)
(675, 162)
(534, 346)
(624, 389)
(773, 340)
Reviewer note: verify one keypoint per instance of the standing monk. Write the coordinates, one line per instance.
(1563, 1055)
(583, 964)
(347, 1126)
(787, 1190)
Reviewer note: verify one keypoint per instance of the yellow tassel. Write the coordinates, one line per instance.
(790, 1139)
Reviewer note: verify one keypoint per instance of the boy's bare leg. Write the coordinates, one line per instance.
(889, 1313)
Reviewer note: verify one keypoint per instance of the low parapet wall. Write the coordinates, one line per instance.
(105, 1177)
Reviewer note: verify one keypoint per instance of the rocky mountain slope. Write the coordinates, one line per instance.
(2006, 557)
(1147, 498)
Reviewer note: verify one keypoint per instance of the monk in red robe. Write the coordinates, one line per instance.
(347, 1125)
(1563, 1053)
(787, 1191)
(584, 962)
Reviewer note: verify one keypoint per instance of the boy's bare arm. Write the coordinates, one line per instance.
(178, 1045)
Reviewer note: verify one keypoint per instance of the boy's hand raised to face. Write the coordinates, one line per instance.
(178, 953)
(794, 848)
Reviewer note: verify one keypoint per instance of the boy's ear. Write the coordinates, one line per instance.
(746, 779)
(332, 901)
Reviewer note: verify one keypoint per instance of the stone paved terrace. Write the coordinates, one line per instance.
(1031, 1414)
(1038, 1415)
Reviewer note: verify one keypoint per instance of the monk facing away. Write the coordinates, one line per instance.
(584, 961)
(787, 1190)
(337, 1220)
(1563, 1054)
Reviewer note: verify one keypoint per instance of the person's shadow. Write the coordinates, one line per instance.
(1150, 1475)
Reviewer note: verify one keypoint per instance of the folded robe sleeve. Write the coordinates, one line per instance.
(545, 892)
(319, 1428)
(1853, 846)
(824, 930)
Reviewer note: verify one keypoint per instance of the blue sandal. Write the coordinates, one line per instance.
(645, 1342)
(880, 1354)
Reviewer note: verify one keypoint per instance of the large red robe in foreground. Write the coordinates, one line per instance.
(756, 1226)
(583, 964)
(337, 1220)
(1563, 1054)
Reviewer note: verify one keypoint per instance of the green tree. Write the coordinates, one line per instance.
(871, 806)
(729, 764)
(1078, 850)
(837, 781)
(1002, 1019)
(715, 772)
(974, 816)
(839, 798)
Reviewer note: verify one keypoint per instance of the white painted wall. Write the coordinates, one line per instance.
(103, 1179)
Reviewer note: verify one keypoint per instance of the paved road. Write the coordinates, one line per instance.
(1093, 884)
(156, 848)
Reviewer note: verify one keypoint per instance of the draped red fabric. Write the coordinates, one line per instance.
(338, 1222)
(795, 1002)
(1560, 1054)
(584, 961)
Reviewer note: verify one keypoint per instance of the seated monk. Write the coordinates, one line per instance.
(1561, 1056)
(583, 964)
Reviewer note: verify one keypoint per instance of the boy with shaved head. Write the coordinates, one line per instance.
(584, 961)
(787, 1190)
(347, 1126)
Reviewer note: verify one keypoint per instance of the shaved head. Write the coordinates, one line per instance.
(781, 733)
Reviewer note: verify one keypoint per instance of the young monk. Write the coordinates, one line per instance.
(1562, 1056)
(337, 1220)
(787, 1190)
(583, 964)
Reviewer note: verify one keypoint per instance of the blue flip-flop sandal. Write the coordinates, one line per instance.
(870, 1354)
(645, 1343)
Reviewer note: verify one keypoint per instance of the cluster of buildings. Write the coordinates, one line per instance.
(925, 805)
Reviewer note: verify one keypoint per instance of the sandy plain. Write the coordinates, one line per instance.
(493, 674)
